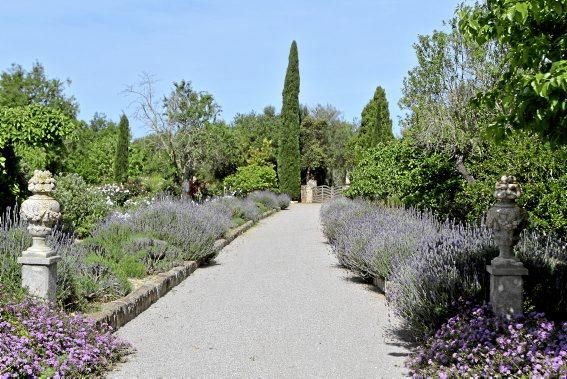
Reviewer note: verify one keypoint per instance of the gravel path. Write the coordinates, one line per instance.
(274, 305)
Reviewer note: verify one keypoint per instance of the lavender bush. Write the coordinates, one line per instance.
(448, 266)
(372, 240)
(429, 264)
(244, 209)
(476, 343)
(283, 200)
(39, 341)
(267, 198)
(337, 213)
(153, 238)
(14, 239)
(190, 227)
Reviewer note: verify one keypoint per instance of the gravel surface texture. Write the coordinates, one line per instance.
(275, 305)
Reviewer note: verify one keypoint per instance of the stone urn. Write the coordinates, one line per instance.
(507, 220)
(39, 262)
(41, 212)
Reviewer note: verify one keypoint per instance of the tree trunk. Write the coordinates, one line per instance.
(462, 169)
(186, 183)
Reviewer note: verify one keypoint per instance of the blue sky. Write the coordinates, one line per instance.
(236, 50)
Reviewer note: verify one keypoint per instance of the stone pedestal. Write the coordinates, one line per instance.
(39, 276)
(506, 287)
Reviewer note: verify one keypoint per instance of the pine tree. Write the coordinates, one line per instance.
(376, 125)
(289, 161)
(121, 157)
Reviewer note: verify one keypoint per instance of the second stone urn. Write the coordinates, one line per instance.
(507, 220)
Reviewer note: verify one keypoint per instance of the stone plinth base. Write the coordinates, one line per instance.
(39, 275)
(306, 194)
(506, 286)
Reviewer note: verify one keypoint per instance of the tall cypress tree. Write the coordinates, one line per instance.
(376, 125)
(121, 157)
(289, 160)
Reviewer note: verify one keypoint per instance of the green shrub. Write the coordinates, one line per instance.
(539, 167)
(91, 154)
(86, 274)
(244, 209)
(251, 178)
(81, 207)
(401, 172)
(404, 173)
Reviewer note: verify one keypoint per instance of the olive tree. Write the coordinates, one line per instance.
(438, 94)
(178, 121)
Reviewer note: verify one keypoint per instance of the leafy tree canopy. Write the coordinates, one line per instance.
(251, 129)
(91, 154)
(19, 87)
(437, 94)
(533, 88)
(34, 125)
(178, 123)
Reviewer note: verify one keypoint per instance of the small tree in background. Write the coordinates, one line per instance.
(289, 161)
(376, 124)
(121, 158)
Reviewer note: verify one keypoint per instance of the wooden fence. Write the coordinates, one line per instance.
(326, 193)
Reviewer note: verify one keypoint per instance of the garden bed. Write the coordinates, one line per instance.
(148, 290)
(429, 268)
(126, 263)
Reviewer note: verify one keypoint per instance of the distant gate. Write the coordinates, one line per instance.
(326, 193)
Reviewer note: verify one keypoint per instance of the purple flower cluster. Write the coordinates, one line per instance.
(476, 343)
(36, 340)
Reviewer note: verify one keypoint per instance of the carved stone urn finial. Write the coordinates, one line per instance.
(506, 218)
(41, 212)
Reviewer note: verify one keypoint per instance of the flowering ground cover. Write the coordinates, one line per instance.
(476, 343)
(39, 341)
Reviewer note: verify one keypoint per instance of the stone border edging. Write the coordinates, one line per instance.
(119, 312)
(380, 283)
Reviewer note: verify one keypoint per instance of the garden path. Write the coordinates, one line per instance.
(275, 305)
